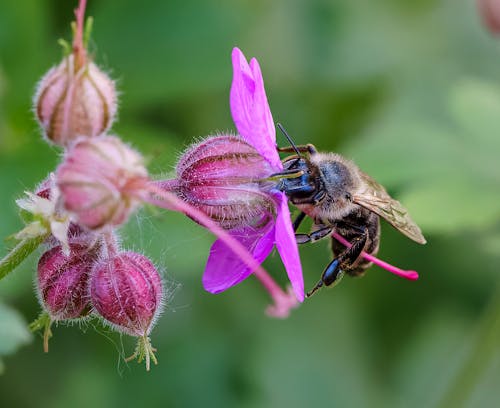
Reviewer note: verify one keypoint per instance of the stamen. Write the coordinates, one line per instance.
(410, 275)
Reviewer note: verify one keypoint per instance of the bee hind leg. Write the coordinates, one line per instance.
(335, 270)
(331, 276)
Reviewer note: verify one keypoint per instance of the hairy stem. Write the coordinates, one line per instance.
(19, 253)
(78, 47)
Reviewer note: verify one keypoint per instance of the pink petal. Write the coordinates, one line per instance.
(225, 269)
(250, 110)
(287, 248)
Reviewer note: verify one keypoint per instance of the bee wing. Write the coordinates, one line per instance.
(374, 198)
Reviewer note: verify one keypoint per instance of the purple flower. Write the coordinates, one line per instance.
(253, 119)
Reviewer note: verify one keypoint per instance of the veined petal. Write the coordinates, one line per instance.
(250, 109)
(287, 247)
(225, 269)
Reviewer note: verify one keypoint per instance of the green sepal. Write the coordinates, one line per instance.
(87, 31)
(43, 322)
(66, 46)
(144, 351)
(26, 216)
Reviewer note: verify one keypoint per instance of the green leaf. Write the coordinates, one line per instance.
(19, 253)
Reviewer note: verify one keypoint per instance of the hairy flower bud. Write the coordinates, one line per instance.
(74, 101)
(62, 281)
(99, 180)
(126, 290)
(223, 177)
(62, 285)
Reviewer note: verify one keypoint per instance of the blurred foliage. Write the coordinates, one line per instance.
(13, 332)
(409, 90)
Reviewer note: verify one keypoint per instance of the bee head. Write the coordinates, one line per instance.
(301, 181)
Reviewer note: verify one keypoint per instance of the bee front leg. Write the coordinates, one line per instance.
(298, 221)
(334, 271)
(314, 236)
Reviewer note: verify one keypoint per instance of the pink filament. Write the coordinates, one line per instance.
(164, 199)
(410, 275)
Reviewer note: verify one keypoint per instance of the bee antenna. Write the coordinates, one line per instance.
(282, 129)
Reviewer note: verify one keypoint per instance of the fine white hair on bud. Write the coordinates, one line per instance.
(74, 101)
(100, 181)
(127, 292)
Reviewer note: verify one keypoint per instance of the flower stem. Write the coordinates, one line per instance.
(410, 275)
(43, 322)
(167, 184)
(165, 199)
(110, 243)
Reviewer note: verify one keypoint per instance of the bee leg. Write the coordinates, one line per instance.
(313, 236)
(349, 256)
(298, 221)
(309, 148)
(334, 271)
(318, 196)
(331, 277)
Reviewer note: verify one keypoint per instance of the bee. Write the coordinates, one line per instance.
(340, 198)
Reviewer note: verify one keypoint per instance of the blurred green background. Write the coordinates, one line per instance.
(408, 89)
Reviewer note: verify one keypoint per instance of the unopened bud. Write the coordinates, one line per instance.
(126, 290)
(490, 14)
(223, 177)
(99, 180)
(62, 285)
(73, 102)
(62, 281)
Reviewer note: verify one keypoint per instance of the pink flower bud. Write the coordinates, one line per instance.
(63, 281)
(126, 290)
(490, 13)
(99, 181)
(222, 176)
(74, 101)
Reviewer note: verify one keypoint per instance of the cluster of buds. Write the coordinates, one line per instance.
(226, 183)
(83, 272)
(123, 289)
(75, 213)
